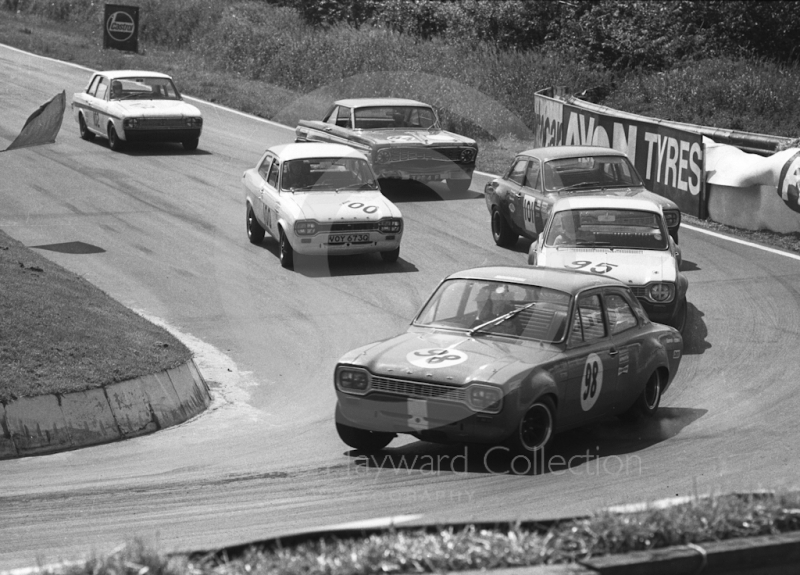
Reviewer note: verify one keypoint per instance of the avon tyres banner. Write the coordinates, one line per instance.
(121, 27)
(43, 125)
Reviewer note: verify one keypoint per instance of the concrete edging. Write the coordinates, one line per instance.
(60, 422)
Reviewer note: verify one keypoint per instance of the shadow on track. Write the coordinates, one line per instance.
(400, 191)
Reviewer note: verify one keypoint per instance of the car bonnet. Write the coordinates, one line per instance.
(415, 137)
(631, 266)
(155, 108)
(324, 206)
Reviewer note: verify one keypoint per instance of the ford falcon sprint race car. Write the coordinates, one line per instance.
(624, 238)
(508, 354)
(135, 106)
(520, 201)
(320, 199)
(401, 138)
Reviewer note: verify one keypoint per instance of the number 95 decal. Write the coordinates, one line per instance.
(601, 268)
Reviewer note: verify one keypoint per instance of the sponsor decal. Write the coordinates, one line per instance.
(789, 183)
(592, 381)
(120, 26)
(435, 357)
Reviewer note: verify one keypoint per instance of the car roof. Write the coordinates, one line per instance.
(556, 152)
(365, 102)
(610, 202)
(568, 281)
(111, 74)
(300, 150)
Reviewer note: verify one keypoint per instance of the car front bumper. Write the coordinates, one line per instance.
(424, 173)
(162, 135)
(321, 244)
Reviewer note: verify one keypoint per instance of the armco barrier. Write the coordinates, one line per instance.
(59, 422)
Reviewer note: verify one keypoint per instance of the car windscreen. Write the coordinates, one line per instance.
(585, 172)
(144, 88)
(388, 117)
(618, 228)
(483, 307)
(327, 174)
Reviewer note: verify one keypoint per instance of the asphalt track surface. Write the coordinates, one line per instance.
(162, 231)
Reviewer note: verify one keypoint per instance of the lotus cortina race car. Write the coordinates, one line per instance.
(135, 106)
(624, 238)
(320, 199)
(508, 354)
(520, 201)
(401, 138)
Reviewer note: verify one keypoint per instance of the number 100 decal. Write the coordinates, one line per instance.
(592, 381)
(434, 358)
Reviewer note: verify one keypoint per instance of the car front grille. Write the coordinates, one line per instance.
(348, 227)
(418, 390)
(639, 291)
(428, 154)
(151, 123)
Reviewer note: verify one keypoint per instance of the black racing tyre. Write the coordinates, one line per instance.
(113, 139)
(255, 233)
(86, 133)
(191, 145)
(536, 428)
(361, 439)
(502, 233)
(679, 320)
(647, 403)
(392, 256)
(458, 186)
(286, 252)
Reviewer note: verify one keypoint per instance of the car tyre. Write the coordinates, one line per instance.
(113, 139)
(361, 439)
(647, 403)
(286, 252)
(502, 233)
(191, 145)
(458, 186)
(536, 428)
(255, 233)
(86, 133)
(392, 256)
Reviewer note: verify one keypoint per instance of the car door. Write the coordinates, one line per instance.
(510, 193)
(592, 364)
(336, 126)
(535, 208)
(270, 198)
(628, 339)
(95, 102)
(254, 182)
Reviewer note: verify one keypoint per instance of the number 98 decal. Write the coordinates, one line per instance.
(592, 381)
(434, 358)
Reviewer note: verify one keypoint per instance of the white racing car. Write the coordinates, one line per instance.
(320, 199)
(136, 106)
(624, 238)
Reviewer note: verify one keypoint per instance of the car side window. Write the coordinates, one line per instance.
(517, 171)
(588, 323)
(343, 118)
(272, 179)
(619, 313)
(102, 88)
(263, 169)
(93, 86)
(533, 174)
(331, 117)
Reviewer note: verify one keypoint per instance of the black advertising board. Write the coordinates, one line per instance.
(121, 27)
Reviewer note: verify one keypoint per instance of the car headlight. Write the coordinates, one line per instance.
(673, 218)
(194, 122)
(468, 155)
(486, 398)
(352, 380)
(390, 226)
(305, 227)
(129, 123)
(383, 156)
(661, 292)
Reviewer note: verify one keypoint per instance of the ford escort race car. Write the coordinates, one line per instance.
(401, 138)
(625, 238)
(508, 354)
(520, 201)
(136, 106)
(320, 199)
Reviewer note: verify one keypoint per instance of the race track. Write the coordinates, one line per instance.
(266, 460)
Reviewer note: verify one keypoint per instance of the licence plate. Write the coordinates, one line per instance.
(347, 238)
(425, 177)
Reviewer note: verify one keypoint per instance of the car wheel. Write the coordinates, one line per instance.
(458, 186)
(361, 439)
(86, 133)
(679, 320)
(286, 252)
(502, 233)
(113, 140)
(255, 233)
(647, 403)
(191, 145)
(535, 430)
(391, 257)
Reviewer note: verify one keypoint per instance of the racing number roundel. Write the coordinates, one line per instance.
(434, 358)
(591, 382)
